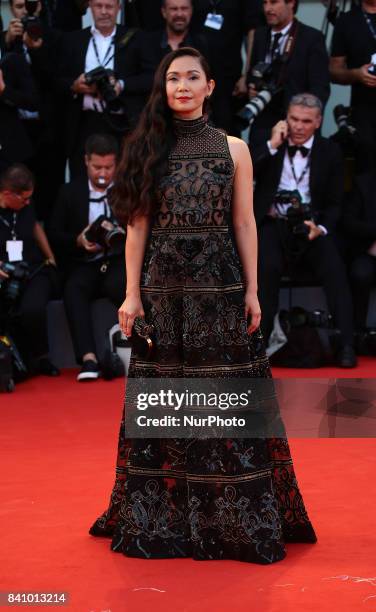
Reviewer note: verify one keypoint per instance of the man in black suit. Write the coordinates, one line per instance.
(87, 111)
(298, 159)
(150, 48)
(90, 270)
(353, 56)
(298, 60)
(359, 220)
(17, 90)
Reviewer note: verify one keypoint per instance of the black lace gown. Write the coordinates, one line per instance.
(218, 498)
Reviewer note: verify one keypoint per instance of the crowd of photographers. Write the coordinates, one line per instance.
(68, 95)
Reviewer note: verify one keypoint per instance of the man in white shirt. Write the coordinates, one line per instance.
(89, 108)
(298, 165)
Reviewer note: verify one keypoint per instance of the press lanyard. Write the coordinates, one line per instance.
(299, 179)
(370, 24)
(106, 208)
(13, 228)
(106, 59)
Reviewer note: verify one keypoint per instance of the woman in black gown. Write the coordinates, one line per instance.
(185, 190)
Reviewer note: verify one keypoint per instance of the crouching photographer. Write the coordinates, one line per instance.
(28, 278)
(90, 243)
(299, 189)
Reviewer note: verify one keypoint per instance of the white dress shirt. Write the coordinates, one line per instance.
(106, 58)
(98, 208)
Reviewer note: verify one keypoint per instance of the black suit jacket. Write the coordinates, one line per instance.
(71, 63)
(326, 180)
(359, 214)
(308, 66)
(19, 92)
(69, 218)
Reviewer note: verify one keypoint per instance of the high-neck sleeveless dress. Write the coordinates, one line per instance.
(215, 498)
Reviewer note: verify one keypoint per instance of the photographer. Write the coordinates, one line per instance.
(23, 241)
(353, 62)
(17, 90)
(95, 101)
(291, 57)
(37, 43)
(299, 189)
(92, 269)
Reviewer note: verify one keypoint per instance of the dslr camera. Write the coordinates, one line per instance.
(102, 78)
(32, 25)
(10, 288)
(297, 212)
(107, 234)
(263, 80)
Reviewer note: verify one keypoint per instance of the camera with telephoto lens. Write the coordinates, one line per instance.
(11, 287)
(102, 78)
(32, 25)
(297, 212)
(107, 234)
(263, 81)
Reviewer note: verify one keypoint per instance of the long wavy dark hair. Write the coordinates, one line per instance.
(144, 158)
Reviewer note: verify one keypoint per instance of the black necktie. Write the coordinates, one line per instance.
(292, 150)
(275, 45)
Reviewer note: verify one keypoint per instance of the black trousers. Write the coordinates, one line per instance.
(362, 279)
(85, 284)
(29, 323)
(94, 123)
(320, 256)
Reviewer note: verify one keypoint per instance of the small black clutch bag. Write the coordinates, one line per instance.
(142, 338)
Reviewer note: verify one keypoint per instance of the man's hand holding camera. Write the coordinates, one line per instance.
(16, 31)
(83, 242)
(80, 86)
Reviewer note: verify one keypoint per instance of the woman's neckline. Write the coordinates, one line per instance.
(190, 127)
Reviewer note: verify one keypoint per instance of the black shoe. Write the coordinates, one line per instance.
(89, 371)
(45, 367)
(346, 357)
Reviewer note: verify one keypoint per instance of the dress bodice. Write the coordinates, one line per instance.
(197, 190)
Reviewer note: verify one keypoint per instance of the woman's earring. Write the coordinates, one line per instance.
(207, 97)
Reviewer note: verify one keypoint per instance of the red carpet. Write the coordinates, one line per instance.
(58, 444)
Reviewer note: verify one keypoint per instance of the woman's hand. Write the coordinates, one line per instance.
(130, 309)
(252, 311)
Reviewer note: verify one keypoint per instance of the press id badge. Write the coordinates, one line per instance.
(214, 21)
(14, 250)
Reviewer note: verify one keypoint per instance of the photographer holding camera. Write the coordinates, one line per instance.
(92, 76)
(89, 243)
(287, 57)
(299, 190)
(36, 43)
(27, 270)
(353, 62)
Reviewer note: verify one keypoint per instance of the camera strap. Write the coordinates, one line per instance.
(108, 57)
(287, 53)
(371, 27)
(299, 179)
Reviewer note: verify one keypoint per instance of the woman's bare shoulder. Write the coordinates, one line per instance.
(238, 148)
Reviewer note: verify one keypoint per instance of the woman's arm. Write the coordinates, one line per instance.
(245, 226)
(137, 235)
